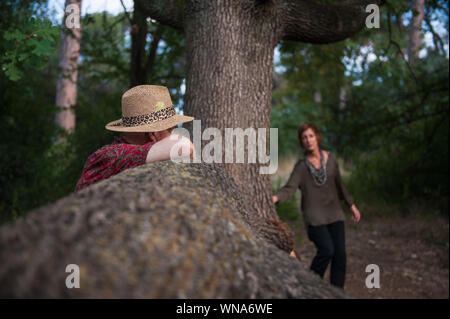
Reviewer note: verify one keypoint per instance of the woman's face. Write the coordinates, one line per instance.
(309, 140)
(158, 136)
(162, 134)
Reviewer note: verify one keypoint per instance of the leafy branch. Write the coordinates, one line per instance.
(29, 46)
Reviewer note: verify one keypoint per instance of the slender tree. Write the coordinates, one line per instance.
(142, 63)
(415, 30)
(66, 88)
(230, 47)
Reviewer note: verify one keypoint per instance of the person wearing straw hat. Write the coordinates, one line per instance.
(148, 118)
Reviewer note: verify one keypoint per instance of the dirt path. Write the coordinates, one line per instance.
(412, 254)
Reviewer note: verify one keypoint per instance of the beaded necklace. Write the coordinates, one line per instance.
(319, 175)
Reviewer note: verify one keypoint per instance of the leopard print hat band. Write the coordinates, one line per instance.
(145, 119)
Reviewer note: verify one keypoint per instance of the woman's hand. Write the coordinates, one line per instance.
(356, 214)
(274, 198)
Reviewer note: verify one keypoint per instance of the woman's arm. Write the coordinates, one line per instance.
(291, 186)
(161, 150)
(356, 214)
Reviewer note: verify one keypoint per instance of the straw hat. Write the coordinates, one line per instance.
(147, 108)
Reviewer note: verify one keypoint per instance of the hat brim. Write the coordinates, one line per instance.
(153, 127)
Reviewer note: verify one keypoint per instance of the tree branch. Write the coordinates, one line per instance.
(152, 54)
(308, 21)
(399, 49)
(167, 12)
(437, 40)
(126, 12)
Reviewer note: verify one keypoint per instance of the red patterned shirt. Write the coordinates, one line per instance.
(112, 159)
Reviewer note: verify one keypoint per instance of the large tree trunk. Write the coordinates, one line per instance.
(66, 88)
(233, 45)
(162, 230)
(415, 31)
(230, 61)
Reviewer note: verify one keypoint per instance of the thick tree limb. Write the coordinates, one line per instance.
(167, 12)
(162, 230)
(307, 21)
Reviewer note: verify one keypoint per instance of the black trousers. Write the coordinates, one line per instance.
(330, 243)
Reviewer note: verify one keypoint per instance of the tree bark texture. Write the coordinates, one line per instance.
(66, 88)
(162, 230)
(230, 47)
(233, 45)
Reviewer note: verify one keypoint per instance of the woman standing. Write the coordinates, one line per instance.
(318, 178)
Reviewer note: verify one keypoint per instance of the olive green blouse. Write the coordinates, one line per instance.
(320, 204)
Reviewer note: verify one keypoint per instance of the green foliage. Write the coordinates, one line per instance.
(171, 61)
(310, 70)
(34, 168)
(400, 143)
(27, 116)
(27, 47)
(391, 125)
(27, 129)
(289, 213)
(105, 53)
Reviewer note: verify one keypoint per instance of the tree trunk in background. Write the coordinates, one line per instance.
(66, 88)
(399, 24)
(318, 96)
(415, 34)
(342, 98)
(142, 63)
(230, 62)
(402, 29)
(138, 41)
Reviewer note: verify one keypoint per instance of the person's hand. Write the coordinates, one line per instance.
(356, 215)
(275, 198)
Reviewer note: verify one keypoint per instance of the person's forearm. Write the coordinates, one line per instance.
(284, 193)
(291, 186)
(163, 149)
(356, 214)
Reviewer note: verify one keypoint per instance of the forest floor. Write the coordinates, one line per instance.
(412, 255)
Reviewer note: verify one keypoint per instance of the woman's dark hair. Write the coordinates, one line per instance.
(303, 127)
